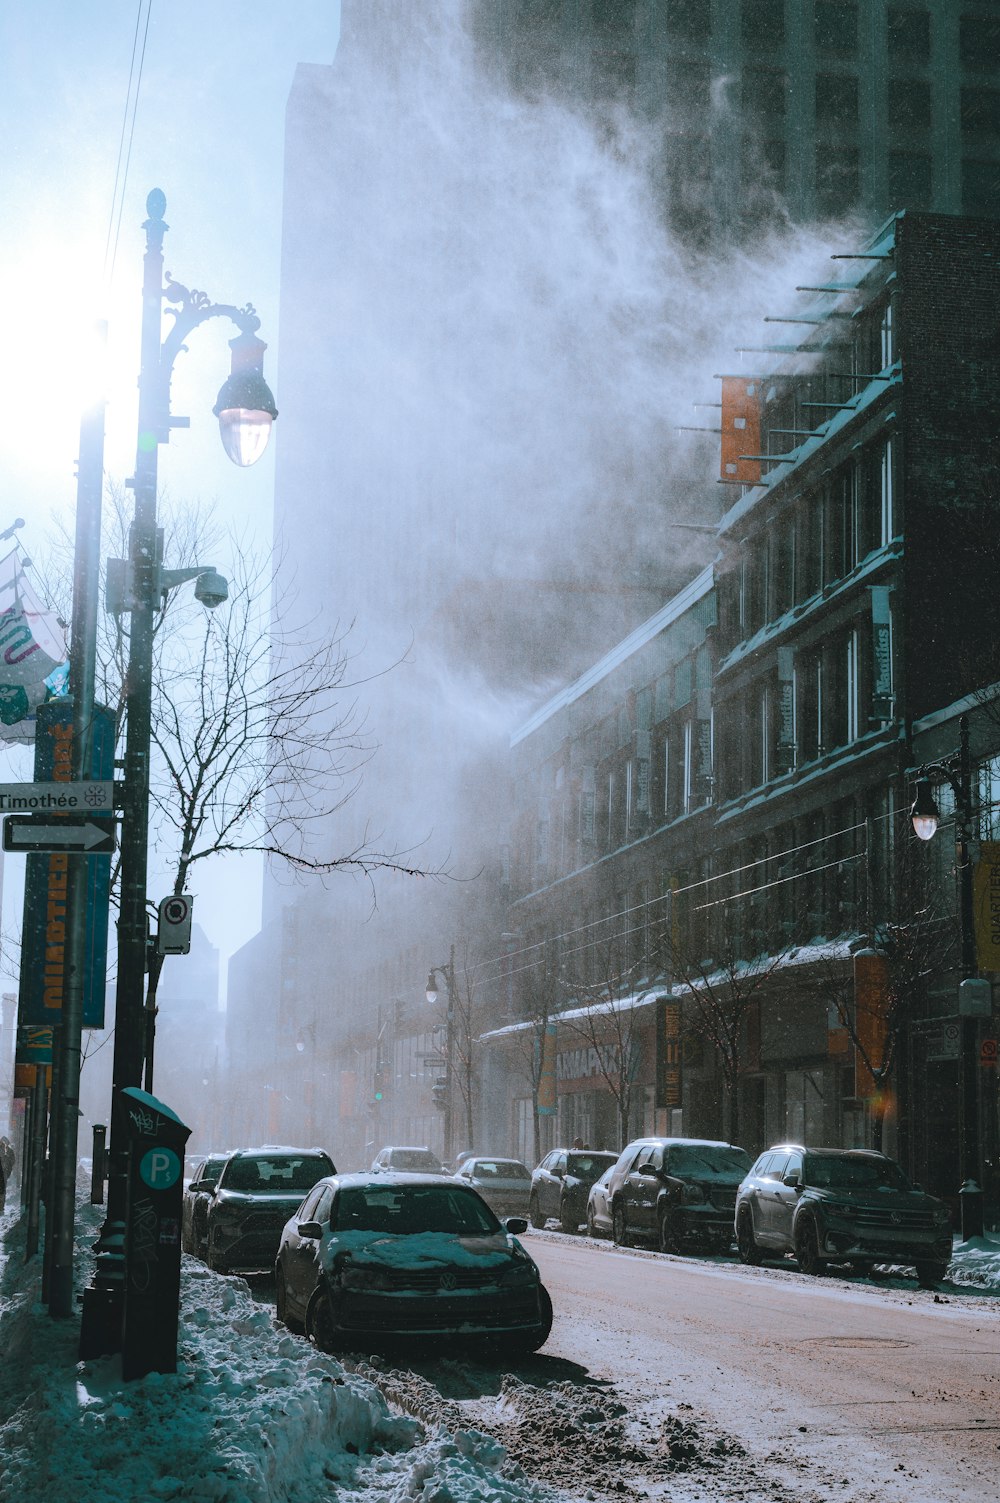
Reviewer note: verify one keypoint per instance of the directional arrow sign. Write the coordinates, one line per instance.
(54, 832)
(90, 796)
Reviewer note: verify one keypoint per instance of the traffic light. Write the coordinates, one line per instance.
(439, 1092)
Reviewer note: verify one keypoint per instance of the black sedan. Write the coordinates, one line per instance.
(560, 1185)
(371, 1257)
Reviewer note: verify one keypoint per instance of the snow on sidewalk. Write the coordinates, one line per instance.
(253, 1414)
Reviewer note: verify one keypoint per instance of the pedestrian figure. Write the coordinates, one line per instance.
(7, 1159)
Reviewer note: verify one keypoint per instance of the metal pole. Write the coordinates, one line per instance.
(143, 576)
(449, 1046)
(66, 1105)
(970, 1194)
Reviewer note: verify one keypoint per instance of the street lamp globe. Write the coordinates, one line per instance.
(245, 407)
(431, 991)
(924, 813)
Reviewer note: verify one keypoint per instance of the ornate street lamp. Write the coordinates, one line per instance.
(956, 771)
(245, 409)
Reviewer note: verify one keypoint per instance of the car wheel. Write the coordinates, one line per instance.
(747, 1246)
(538, 1335)
(534, 1214)
(567, 1221)
(619, 1227)
(807, 1248)
(281, 1303)
(929, 1274)
(321, 1326)
(669, 1240)
(862, 1267)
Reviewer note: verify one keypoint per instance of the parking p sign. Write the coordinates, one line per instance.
(159, 1168)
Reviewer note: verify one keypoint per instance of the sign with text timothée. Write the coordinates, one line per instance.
(43, 951)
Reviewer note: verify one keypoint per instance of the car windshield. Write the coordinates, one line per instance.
(401, 1210)
(415, 1158)
(853, 1173)
(706, 1161)
(284, 1172)
(499, 1169)
(589, 1165)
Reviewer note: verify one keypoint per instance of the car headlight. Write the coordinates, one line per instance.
(841, 1208)
(942, 1216)
(519, 1274)
(692, 1195)
(355, 1276)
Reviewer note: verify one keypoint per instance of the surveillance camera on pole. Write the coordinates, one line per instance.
(173, 934)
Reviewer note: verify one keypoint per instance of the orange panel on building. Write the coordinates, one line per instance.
(740, 430)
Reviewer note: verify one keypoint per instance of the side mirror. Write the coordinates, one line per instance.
(793, 1180)
(515, 1225)
(311, 1229)
(207, 1185)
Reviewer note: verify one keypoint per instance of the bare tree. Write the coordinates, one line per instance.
(257, 741)
(888, 986)
(720, 993)
(606, 1018)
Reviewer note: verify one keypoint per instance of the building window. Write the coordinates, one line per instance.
(765, 91)
(762, 23)
(782, 563)
(809, 554)
(852, 687)
(980, 111)
(836, 100)
(838, 178)
(908, 35)
(886, 494)
(980, 187)
(687, 773)
(979, 42)
(909, 104)
(809, 712)
(887, 336)
(689, 18)
(665, 764)
(910, 180)
(836, 27)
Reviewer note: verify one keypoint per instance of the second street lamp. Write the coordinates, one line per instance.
(245, 409)
(974, 996)
(448, 972)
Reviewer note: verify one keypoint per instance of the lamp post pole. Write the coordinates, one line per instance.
(245, 409)
(956, 770)
(448, 972)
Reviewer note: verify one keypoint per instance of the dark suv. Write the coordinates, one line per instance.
(840, 1205)
(677, 1192)
(257, 1191)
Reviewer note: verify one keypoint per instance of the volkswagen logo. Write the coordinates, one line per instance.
(449, 1281)
(895, 1218)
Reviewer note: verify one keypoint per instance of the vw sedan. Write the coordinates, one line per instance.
(370, 1257)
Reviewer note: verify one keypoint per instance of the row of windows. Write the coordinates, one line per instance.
(837, 101)
(811, 703)
(812, 545)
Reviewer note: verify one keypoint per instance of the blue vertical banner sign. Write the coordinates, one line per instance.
(43, 952)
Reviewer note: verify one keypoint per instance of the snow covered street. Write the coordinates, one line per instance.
(256, 1415)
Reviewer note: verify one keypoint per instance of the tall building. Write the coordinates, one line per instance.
(496, 308)
(815, 109)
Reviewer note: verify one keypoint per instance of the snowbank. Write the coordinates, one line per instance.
(253, 1414)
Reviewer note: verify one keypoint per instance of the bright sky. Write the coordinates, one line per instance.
(208, 132)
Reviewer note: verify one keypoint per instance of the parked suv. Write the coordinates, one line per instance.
(194, 1206)
(678, 1192)
(840, 1205)
(257, 1191)
(560, 1184)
